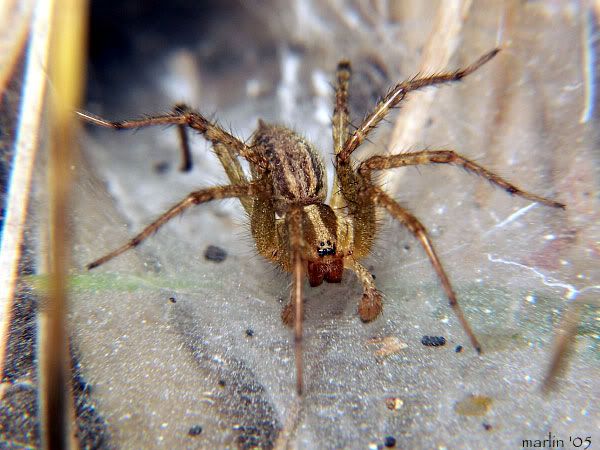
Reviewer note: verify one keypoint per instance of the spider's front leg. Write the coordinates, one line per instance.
(340, 125)
(371, 303)
(294, 225)
(397, 94)
(195, 198)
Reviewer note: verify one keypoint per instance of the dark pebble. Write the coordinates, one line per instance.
(161, 167)
(433, 341)
(214, 253)
(195, 430)
(487, 426)
(458, 348)
(249, 332)
(389, 441)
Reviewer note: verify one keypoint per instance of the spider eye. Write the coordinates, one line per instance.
(326, 250)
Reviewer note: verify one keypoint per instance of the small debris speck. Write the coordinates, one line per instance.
(487, 426)
(458, 348)
(161, 167)
(195, 430)
(474, 405)
(389, 345)
(172, 299)
(214, 253)
(393, 403)
(249, 332)
(389, 441)
(433, 341)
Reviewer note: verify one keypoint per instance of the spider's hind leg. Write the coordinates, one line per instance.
(397, 94)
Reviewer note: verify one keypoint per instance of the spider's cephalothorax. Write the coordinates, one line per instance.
(298, 179)
(285, 195)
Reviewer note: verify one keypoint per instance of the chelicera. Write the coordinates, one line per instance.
(285, 195)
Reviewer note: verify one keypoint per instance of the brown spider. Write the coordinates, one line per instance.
(285, 197)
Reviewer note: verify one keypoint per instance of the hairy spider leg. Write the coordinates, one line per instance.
(371, 304)
(448, 157)
(186, 153)
(397, 94)
(441, 157)
(227, 156)
(194, 198)
(182, 116)
(352, 184)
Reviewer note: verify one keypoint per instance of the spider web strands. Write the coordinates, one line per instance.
(397, 94)
(425, 157)
(192, 199)
(419, 231)
(514, 216)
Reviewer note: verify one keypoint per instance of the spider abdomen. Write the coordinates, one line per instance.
(297, 170)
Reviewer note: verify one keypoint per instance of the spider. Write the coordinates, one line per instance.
(284, 196)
